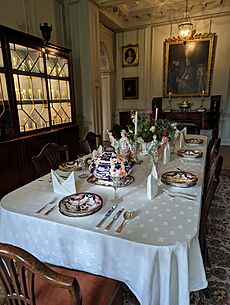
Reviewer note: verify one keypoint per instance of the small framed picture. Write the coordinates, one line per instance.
(130, 88)
(130, 56)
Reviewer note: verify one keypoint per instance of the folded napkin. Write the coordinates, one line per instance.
(182, 134)
(166, 153)
(100, 150)
(61, 186)
(152, 183)
(97, 152)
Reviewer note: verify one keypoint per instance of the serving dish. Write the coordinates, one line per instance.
(185, 105)
(123, 182)
(190, 153)
(109, 163)
(179, 178)
(80, 204)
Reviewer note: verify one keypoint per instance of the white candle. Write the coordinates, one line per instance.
(202, 94)
(156, 113)
(170, 96)
(135, 124)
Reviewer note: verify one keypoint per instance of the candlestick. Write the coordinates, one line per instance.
(135, 124)
(156, 113)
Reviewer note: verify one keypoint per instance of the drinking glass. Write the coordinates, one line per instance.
(84, 168)
(155, 158)
(116, 181)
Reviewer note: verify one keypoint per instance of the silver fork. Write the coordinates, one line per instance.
(50, 202)
(50, 210)
(179, 195)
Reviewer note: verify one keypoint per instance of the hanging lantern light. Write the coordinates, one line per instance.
(185, 26)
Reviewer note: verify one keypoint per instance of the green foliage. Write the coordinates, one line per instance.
(147, 128)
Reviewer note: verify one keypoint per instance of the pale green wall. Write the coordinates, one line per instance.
(150, 68)
(26, 15)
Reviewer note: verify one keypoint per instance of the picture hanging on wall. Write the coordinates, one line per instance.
(130, 88)
(130, 56)
(188, 66)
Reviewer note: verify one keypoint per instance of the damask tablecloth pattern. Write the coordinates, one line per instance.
(157, 253)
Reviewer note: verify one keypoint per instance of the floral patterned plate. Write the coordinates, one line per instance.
(190, 153)
(80, 204)
(179, 178)
(123, 182)
(70, 166)
(194, 141)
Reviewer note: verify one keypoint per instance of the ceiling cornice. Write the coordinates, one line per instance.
(129, 14)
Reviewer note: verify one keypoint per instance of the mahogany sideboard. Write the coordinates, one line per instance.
(203, 120)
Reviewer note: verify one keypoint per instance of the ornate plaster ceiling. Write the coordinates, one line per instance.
(130, 13)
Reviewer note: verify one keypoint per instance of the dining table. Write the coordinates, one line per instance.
(156, 254)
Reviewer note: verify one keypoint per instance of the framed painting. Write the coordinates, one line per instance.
(188, 66)
(130, 56)
(130, 88)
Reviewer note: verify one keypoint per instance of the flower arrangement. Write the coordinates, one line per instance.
(147, 127)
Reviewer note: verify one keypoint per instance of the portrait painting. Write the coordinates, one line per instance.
(188, 66)
(130, 88)
(130, 56)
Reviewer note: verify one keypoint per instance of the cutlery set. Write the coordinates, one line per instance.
(181, 195)
(46, 205)
(126, 216)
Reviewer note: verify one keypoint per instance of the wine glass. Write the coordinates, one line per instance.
(155, 158)
(116, 180)
(85, 173)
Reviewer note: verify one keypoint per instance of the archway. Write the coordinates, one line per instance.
(106, 88)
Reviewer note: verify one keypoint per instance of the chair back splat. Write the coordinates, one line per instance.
(93, 140)
(28, 281)
(50, 157)
(212, 183)
(213, 150)
(18, 272)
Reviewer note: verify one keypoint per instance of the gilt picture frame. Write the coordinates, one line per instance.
(130, 56)
(130, 88)
(188, 66)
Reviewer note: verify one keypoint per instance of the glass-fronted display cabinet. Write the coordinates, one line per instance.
(35, 84)
(5, 115)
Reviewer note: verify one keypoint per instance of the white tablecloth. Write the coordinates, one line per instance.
(157, 253)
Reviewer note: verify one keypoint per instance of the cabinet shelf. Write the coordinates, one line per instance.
(39, 102)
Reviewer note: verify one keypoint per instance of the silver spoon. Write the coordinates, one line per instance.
(127, 215)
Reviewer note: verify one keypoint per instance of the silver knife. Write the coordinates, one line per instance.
(107, 214)
(114, 218)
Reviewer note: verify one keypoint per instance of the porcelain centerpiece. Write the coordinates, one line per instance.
(102, 166)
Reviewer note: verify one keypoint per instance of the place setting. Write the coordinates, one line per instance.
(179, 178)
(194, 141)
(190, 154)
(80, 164)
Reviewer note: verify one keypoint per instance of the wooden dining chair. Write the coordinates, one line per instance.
(93, 140)
(50, 157)
(28, 281)
(213, 150)
(212, 183)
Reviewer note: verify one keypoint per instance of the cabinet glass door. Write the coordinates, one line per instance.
(5, 116)
(30, 87)
(59, 90)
